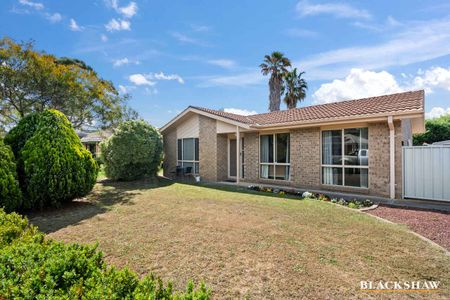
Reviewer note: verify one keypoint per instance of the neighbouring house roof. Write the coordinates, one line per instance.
(445, 143)
(381, 106)
(96, 136)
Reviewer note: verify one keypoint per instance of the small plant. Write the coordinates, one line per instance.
(282, 193)
(308, 195)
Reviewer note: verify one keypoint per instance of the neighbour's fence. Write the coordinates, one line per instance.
(426, 172)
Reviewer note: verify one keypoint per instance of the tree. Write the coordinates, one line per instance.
(437, 129)
(10, 195)
(276, 65)
(32, 81)
(295, 88)
(133, 151)
(53, 165)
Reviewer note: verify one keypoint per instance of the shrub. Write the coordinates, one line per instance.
(10, 195)
(19, 135)
(32, 267)
(54, 167)
(133, 151)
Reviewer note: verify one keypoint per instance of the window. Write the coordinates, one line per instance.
(274, 156)
(345, 157)
(188, 154)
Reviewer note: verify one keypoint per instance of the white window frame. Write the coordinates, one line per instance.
(274, 164)
(182, 161)
(343, 166)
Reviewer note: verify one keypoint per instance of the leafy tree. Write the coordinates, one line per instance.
(133, 151)
(10, 195)
(295, 88)
(437, 129)
(53, 165)
(276, 65)
(32, 81)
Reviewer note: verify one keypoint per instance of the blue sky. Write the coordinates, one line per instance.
(171, 54)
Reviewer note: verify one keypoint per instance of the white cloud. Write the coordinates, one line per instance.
(118, 25)
(74, 26)
(54, 18)
(358, 84)
(34, 5)
(128, 11)
(121, 62)
(187, 39)
(162, 76)
(124, 61)
(224, 63)
(124, 89)
(338, 10)
(417, 42)
(200, 28)
(434, 77)
(141, 79)
(239, 111)
(151, 78)
(437, 112)
(244, 79)
(299, 32)
(104, 38)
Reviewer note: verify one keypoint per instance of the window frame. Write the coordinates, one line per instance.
(343, 166)
(274, 153)
(194, 162)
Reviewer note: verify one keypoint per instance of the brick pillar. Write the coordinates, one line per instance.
(251, 157)
(208, 148)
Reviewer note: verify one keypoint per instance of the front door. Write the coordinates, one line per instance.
(232, 158)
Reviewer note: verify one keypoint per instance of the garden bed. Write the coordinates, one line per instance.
(431, 224)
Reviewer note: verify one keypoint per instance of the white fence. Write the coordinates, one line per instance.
(426, 172)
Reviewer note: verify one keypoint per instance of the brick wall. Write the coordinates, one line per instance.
(208, 148)
(305, 157)
(251, 157)
(379, 159)
(170, 152)
(222, 157)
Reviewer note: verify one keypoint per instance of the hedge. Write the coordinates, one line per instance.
(133, 151)
(10, 195)
(33, 267)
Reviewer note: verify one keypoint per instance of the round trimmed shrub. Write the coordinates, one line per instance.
(54, 167)
(10, 195)
(133, 151)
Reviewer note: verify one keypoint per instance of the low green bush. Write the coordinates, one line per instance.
(133, 151)
(32, 267)
(10, 195)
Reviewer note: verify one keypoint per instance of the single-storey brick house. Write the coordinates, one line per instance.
(350, 146)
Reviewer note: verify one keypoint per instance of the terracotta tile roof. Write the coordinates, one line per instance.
(387, 104)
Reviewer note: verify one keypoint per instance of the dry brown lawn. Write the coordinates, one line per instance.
(246, 244)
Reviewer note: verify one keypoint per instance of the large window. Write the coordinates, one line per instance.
(345, 157)
(274, 156)
(188, 154)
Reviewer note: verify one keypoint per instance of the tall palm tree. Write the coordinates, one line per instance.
(295, 88)
(276, 64)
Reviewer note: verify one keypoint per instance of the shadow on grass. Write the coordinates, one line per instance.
(104, 195)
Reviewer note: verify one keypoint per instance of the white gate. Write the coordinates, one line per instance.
(426, 172)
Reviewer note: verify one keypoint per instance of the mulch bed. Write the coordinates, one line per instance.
(431, 224)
